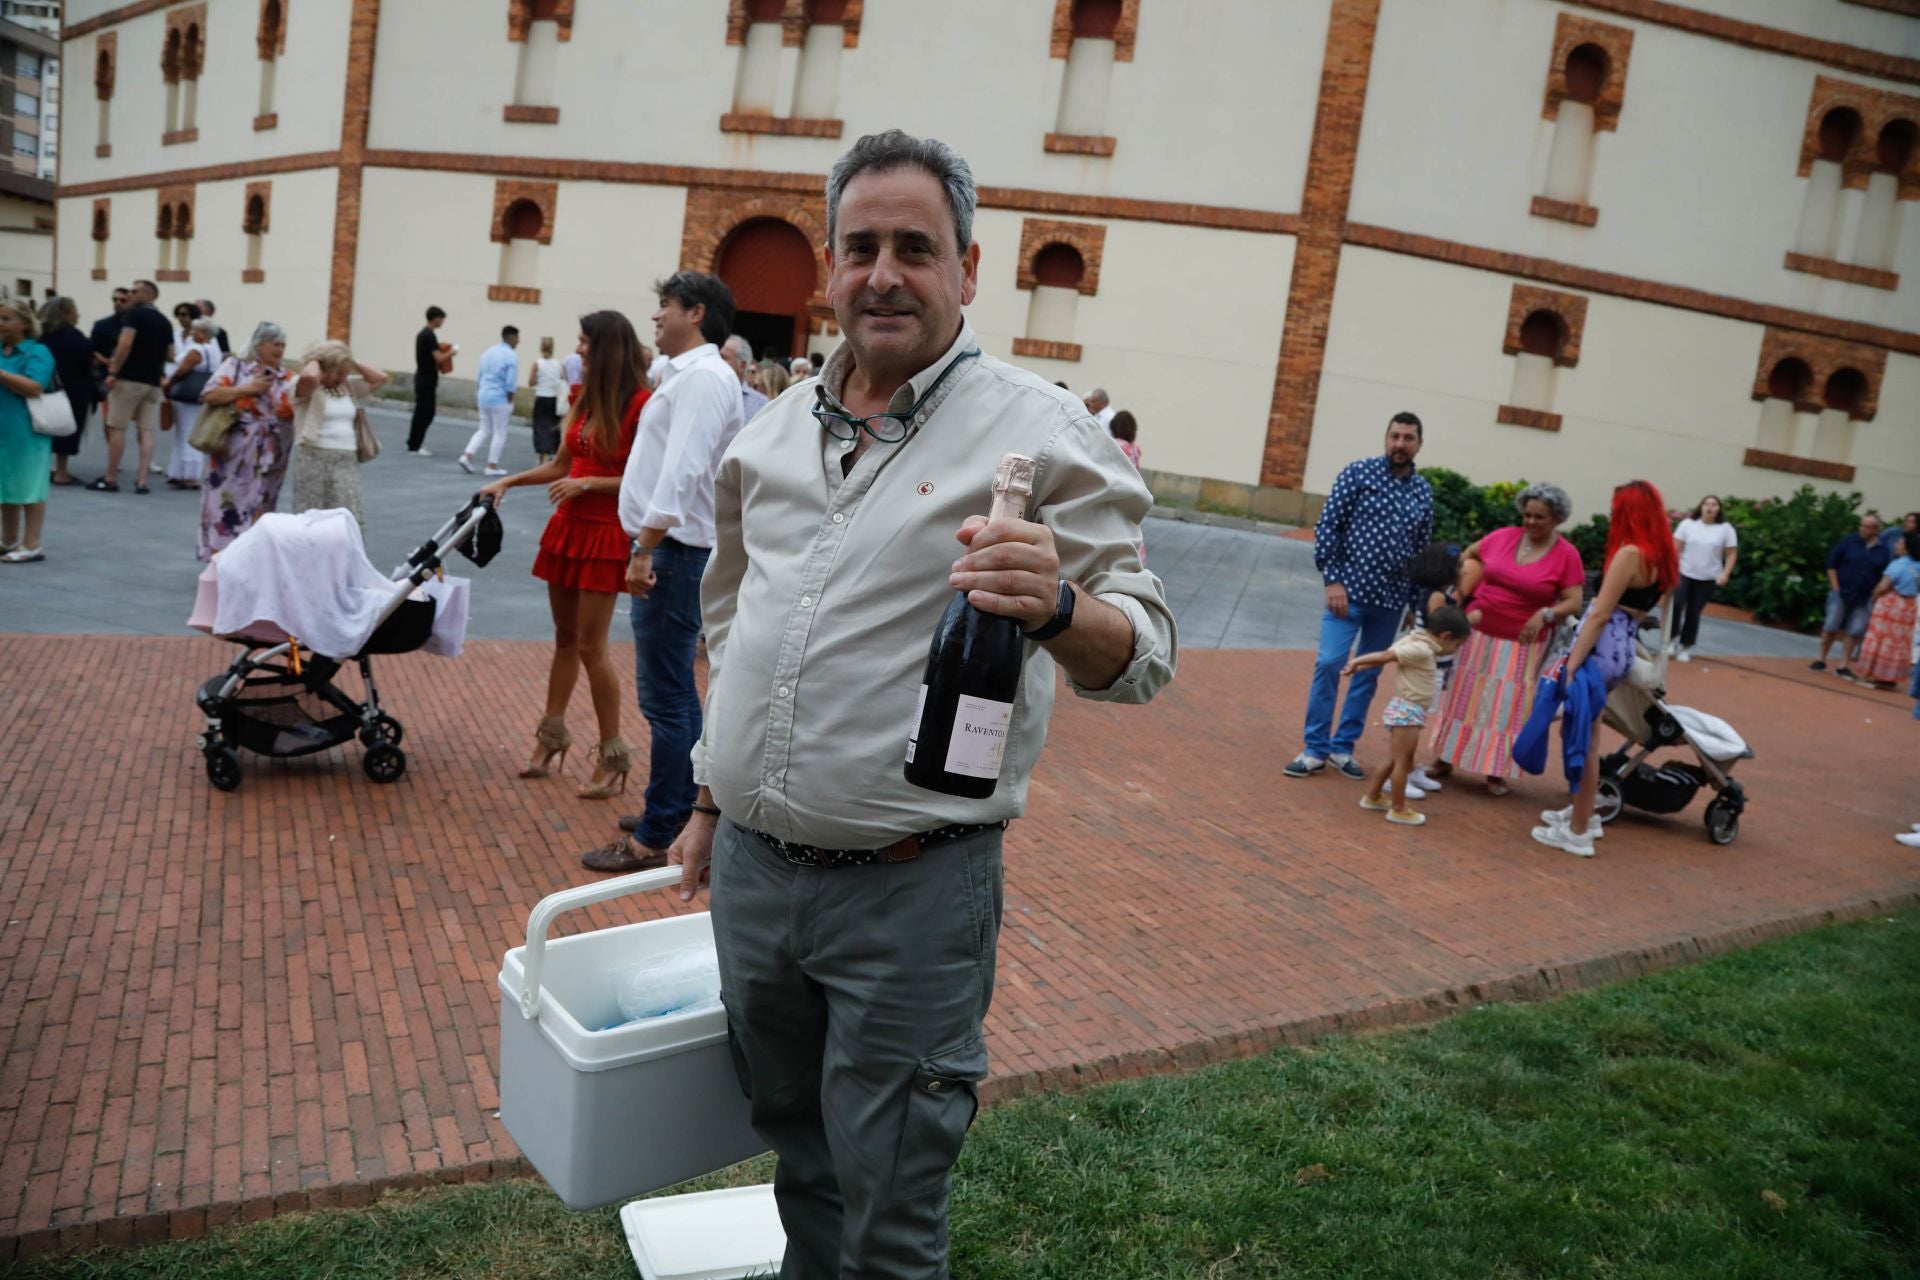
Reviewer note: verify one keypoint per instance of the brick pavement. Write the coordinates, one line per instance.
(221, 1006)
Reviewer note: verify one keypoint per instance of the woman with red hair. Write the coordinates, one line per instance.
(1643, 564)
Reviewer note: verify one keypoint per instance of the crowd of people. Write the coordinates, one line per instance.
(1508, 604)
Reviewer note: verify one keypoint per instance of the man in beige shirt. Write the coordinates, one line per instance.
(857, 915)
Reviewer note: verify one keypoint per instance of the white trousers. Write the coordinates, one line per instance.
(492, 432)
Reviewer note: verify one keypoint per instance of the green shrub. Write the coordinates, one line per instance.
(1465, 512)
(1784, 543)
(1590, 540)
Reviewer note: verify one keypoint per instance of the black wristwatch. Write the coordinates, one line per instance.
(1062, 616)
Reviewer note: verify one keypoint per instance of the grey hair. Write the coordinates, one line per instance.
(740, 347)
(205, 326)
(265, 331)
(1552, 494)
(894, 149)
(29, 317)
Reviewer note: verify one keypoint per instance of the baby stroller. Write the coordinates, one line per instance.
(1637, 709)
(300, 595)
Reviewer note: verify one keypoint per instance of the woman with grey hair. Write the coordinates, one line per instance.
(197, 356)
(1521, 581)
(330, 402)
(245, 480)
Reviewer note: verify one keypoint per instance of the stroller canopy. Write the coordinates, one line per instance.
(1714, 737)
(305, 576)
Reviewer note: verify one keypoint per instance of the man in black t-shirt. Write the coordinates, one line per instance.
(429, 362)
(105, 337)
(134, 371)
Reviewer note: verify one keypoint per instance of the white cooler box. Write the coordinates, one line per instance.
(610, 1115)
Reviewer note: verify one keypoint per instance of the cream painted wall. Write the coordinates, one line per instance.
(424, 242)
(1697, 187)
(25, 255)
(1217, 105)
(310, 96)
(297, 254)
(1193, 362)
(1660, 393)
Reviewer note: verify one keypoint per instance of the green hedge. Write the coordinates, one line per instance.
(1784, 542)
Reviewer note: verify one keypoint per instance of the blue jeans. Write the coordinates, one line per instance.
(1374, 626)
(666, 627)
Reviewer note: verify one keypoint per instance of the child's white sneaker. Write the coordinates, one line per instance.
(1563, 818)
(1558, 837)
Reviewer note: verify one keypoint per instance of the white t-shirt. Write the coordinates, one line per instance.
(550, 380)
(336, 426)
(1703, 548)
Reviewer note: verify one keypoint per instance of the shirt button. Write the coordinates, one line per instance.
(806, 602)
(784, 691)
(839, 517)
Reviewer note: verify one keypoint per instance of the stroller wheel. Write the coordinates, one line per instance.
(384, 762)
(389, 728)
(1608, 801)
(1723, 821)
(223, 768)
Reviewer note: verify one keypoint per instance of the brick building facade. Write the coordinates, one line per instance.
(1542, 224)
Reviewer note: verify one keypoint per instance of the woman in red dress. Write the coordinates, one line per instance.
(583, 553)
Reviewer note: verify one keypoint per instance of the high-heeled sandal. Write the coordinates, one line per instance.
(616, 761)
(551, 734)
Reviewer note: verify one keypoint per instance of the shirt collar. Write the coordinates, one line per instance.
(686, 359)
(840, 364)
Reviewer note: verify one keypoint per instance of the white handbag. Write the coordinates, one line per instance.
(52, 412)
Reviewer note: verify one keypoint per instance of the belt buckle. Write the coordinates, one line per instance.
(902, 850)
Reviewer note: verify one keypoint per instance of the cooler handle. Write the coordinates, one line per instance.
(566, 900)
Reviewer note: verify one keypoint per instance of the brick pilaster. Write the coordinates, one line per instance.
(353, 155)
(1316, 259)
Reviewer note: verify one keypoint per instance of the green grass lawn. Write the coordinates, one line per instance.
(1758, 1115)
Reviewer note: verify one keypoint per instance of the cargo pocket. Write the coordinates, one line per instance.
(940, 1107)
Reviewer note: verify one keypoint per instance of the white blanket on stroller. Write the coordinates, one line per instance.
(1715, 738)
(306, 576)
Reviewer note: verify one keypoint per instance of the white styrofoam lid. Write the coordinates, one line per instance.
(706, 1235)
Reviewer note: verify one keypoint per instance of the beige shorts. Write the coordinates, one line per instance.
(133, 402)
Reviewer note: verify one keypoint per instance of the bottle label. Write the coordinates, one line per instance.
(979, 737)
(913, 734)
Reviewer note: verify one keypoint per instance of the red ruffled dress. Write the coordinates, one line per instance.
(584, 546)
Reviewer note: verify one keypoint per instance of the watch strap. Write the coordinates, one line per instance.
(1062, 616)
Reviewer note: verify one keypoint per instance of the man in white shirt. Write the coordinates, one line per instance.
(1100, 407)
(666, 507)
(738, 354)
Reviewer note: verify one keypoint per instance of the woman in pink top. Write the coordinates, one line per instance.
(1522, 581)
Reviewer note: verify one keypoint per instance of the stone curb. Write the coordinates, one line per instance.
(1187, 515)
(1534, 984)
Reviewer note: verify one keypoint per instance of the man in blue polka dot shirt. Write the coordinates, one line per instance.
(1378, 516)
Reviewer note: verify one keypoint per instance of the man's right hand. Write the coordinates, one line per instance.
(1336, 600)
(692, 852)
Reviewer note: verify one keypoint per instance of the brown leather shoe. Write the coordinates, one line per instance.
(630, 822)
(622, 856)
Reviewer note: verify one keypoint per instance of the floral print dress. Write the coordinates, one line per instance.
(245, 483)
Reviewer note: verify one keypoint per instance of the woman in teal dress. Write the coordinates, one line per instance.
(26, 457)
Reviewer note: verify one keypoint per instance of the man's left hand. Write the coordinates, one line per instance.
(640, 577)
(1011, 568)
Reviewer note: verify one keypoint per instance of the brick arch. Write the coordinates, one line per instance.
(796, 16)
(1823, 359)
(1088, 239)
(272, 36)
(170, 58)
(522, 14)
(1126, 27)
(106, 56)
(543, 196)
(715, 213)
(1614, 44)
(1528, 304)
(102, 219)
(1878, 111)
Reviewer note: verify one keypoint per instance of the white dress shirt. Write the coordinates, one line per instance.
(687, 424)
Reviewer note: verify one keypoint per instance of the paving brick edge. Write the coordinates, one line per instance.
(1407, 1011)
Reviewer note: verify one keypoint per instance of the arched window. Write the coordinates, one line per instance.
(166, 222)
(1093, 31)
(99, 222)
(1060, 266)
(183, 222)
(105, 53)
(102, 228)
(1542, 334)
(103, 75)
(1846, 390)
(524, 221)
(1815, 393)
(253, 225)
(271, 16)
(272, 34)
(1830, 159)
(170, 57)
(192, 54)
(1839, 129)
(1586, 87)
(256, 219)
(1790, 380)
(540, 27)
(774, 274)
(832, 12)
(1877, 244)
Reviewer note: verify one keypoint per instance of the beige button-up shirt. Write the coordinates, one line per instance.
(822, 593)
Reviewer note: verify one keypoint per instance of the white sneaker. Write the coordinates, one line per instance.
(466, 464)
(1419, 778)
(1911, 839)
(494, 471)
(1563, 818)
(421, 452)
(1558, 837)
(1685, 655)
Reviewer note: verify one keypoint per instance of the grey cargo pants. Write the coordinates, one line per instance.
(855, 998)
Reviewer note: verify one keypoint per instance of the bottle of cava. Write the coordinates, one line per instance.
(959, 734)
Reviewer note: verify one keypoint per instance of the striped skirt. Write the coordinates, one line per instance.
(1487, 702)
